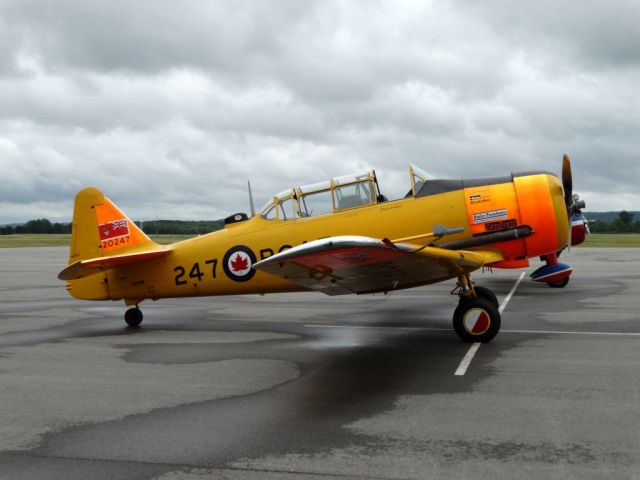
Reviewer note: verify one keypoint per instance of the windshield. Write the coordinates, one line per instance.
(284, 206)
(418, 178)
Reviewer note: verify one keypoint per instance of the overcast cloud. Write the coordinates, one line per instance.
(170, 106)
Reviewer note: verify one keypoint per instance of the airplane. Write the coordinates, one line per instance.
(340, 236)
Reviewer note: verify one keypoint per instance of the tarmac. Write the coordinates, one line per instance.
(305, 386)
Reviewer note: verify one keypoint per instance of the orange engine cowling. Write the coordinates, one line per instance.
(542, 207)
(530, 199)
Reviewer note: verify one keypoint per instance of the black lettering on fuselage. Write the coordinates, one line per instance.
(265, 252)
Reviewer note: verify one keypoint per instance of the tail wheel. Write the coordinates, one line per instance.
(476, 320)
(559, 283)
(133, 317)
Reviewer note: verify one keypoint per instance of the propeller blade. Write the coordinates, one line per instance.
(567, 181)
(586, 225)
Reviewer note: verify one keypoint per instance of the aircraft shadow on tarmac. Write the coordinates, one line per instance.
(346, 374)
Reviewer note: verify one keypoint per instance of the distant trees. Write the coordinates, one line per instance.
(40, 225)
(623, 224)
(179, 227)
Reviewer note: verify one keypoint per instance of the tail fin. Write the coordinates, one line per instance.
(102, 238)
(101, 229)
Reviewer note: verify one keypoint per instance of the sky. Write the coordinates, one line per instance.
(170, 107)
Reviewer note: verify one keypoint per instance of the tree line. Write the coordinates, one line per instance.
(624, 223)
(161, 227)
(40, 225)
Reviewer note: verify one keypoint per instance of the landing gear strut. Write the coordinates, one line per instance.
(477, 318)
(133, 316)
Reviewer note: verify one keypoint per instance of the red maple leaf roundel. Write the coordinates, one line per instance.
(238, 264)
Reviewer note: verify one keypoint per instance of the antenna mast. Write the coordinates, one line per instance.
(253, 208)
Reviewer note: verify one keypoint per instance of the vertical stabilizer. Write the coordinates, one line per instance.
(101, 229)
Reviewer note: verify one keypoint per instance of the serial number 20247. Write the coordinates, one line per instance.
(113, 242)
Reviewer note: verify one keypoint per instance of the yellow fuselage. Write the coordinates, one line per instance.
(196, 267)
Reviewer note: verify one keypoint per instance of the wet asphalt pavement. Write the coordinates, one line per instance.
(308, 386)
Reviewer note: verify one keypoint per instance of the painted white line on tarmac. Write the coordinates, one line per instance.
(466, 360)
(527, 332)
(372, 327)
(567, 332)
(504, 303)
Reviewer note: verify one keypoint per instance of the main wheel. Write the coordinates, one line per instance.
(476, 320)
(559, 283)
(133, 317)
(484, 292)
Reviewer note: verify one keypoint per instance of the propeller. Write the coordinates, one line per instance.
(571, 200)
(567, 181)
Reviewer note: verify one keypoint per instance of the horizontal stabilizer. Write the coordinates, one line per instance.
(82, 268)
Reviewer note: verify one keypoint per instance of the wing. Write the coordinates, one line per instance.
(82, 268)
(349, 264)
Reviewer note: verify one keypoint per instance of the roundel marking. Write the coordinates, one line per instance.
(476, 321)
(238, 263)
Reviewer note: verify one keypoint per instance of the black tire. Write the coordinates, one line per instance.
(559, 283)
(484, 292)
(133, 317)
(476, 320)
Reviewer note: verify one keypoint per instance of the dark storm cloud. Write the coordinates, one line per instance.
(171, 106)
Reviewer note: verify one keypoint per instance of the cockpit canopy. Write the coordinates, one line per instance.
(334, 195)
(339, 193)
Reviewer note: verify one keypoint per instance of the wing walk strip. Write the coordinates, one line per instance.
(466, 360)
